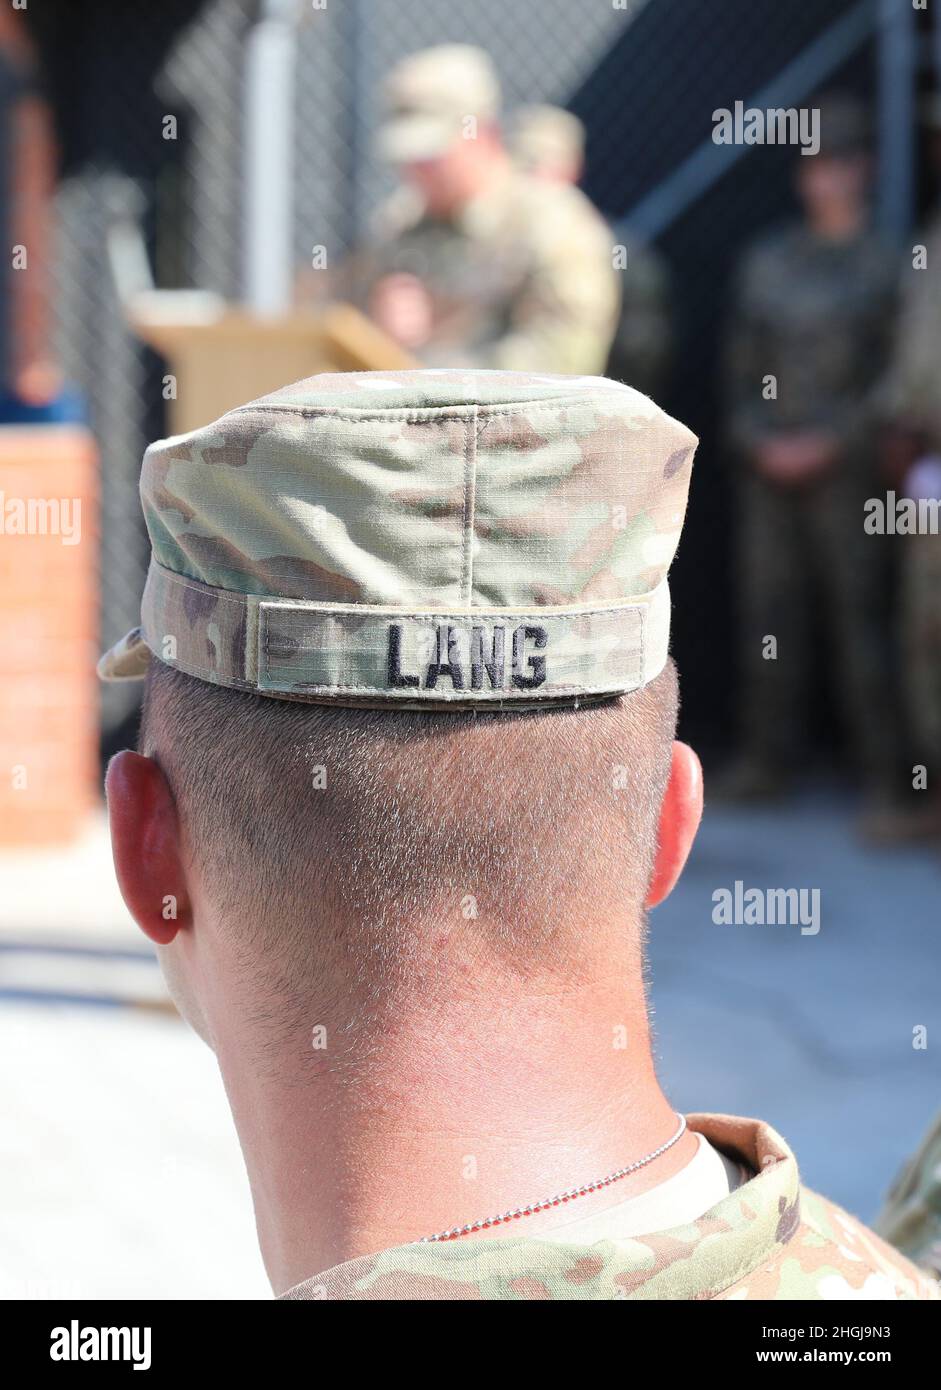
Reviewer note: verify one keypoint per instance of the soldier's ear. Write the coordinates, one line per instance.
(145, 843)
(680, 815)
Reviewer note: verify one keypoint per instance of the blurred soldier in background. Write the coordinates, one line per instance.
(810, 337)
(911, 1217)
(476, 263)
(914, 408)
(549, 143)
(643, 340)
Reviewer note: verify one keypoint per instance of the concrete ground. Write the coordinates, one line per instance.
(120, 1173)
(813, 1033)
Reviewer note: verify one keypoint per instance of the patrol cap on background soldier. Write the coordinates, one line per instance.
(475, 263)
(408, 778)
(435, 97)
(844, 141)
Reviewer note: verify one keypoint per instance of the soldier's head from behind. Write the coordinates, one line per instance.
(441, 127)
(833, 184)
(407, 778)
(350, 868)
(413, 706)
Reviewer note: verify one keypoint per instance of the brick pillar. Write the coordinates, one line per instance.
(48, 633)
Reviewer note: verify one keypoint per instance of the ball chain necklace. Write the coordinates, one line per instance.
(560, 1197)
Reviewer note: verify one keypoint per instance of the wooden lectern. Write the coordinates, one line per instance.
(223, 356)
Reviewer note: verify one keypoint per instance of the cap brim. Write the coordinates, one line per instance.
(127, 660)
(407, 138)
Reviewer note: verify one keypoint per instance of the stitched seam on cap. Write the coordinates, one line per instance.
(457, 409)
(380, 610)
(476, 697)
(250, 650)
(470, 502)
(195, 668)
(221, 595)
(426, 414)
(472, 615)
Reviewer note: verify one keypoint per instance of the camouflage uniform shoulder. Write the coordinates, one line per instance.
(833, 1257)
(397, 214)
(561, 201)
(880, 258)
(775, 247)
(768, 1240)
(790, 243)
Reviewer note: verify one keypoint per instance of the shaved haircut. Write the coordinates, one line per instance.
(354, 838)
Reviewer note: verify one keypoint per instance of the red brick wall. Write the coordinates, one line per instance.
(48, 635)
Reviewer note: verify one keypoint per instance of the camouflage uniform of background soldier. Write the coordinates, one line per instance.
(913, 404)
(474, 262)
(813, 310)
(548, 142)
(911, 1218)
(643, 340)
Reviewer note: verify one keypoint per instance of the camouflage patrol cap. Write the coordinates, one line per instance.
(430, 95)
(426, 539)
